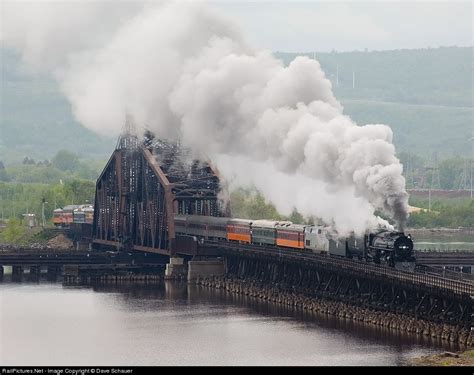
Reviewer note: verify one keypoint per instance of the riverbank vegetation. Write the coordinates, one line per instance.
(444, 213)
(67, 179)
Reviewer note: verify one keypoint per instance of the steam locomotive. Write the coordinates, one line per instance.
(387, 247)
(394, 249)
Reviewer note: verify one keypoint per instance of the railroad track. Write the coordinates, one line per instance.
(426, 280)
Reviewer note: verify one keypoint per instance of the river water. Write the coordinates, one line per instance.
(176, 324)
(440, 241)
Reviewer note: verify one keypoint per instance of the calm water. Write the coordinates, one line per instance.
(436, 241)
(175, 324)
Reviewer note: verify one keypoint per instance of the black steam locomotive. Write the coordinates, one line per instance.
(388, 247)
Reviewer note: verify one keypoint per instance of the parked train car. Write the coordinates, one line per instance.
(89, 214)
(78, 214)
(84, 213)
(63, 217)
(393, 248)
(58, 217)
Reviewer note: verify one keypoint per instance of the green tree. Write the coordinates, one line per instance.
(14, 232)
(66, 161)
(251, 204)
(296, 217)
(80, 190)
(450, 171)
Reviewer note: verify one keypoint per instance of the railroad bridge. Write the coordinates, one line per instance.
(141, 188)
(145, 183)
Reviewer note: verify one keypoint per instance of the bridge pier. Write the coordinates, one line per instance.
(83, 245)
(205, 268)
(53, 272)
(175, 269)
(34, 273)
(17, 273)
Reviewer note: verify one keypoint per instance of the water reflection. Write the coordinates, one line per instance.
(195, 295)
(180, 324)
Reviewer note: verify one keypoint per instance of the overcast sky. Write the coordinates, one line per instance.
(354, 25)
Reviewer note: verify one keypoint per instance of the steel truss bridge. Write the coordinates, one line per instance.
(141, 188)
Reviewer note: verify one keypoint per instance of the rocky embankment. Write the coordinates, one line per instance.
(59, 242)
(281, 295)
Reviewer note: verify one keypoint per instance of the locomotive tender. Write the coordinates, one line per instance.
(388, 247)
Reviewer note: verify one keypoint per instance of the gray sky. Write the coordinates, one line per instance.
(354, 25)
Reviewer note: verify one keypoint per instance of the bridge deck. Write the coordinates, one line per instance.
(445, 258)
(463, 289)
(51, 257)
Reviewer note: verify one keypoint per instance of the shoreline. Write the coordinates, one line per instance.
(463, 358)
(444, 231)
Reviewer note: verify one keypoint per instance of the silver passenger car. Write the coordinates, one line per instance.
(207, 227)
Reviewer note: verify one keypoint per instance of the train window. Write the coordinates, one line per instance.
(319, 231)
(308, 243)
(215, 227)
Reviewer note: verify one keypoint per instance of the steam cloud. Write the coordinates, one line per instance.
(185, 71)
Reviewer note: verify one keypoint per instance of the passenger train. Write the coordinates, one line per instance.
(392, 248)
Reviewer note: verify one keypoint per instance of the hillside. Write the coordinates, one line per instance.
(425, 95)
(438, 76)
(36, 119)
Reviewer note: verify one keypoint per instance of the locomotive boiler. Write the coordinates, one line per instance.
(393, 248)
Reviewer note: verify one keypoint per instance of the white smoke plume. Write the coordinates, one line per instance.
(183, 70)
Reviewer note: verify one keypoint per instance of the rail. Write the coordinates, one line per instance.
(423, 280)
(445, 273)
(454, 251)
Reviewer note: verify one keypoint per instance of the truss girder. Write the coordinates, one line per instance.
(140, 190)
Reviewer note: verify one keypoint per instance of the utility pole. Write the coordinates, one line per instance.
(43, 202)
(463, 183)
(429, 200)
(472, 156)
